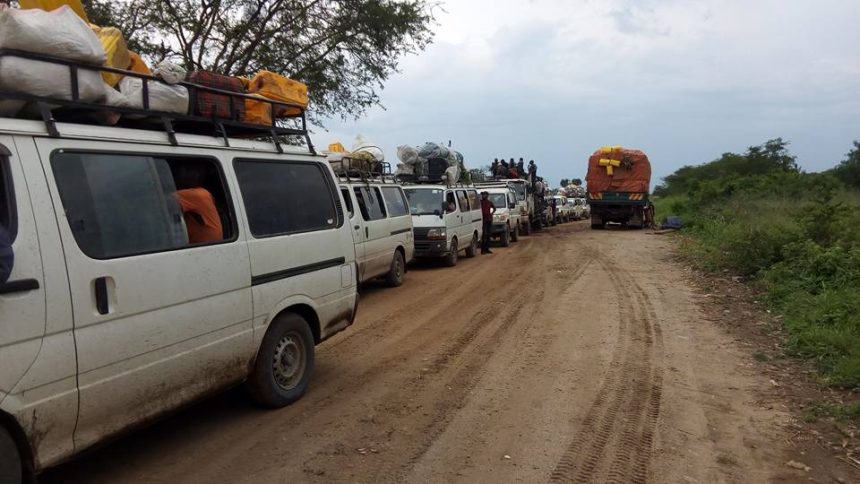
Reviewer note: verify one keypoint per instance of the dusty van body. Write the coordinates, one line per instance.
(378, 213)
(113, 316)
(446, 220)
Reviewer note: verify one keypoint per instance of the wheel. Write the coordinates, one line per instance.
(451, 259)
(527, 228)
(11, 469)
(394, 277)
(284, 363)
(516, 235)
(506, 238)
(472, 250)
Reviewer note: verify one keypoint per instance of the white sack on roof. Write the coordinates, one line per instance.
(59, 33)
(49, 80)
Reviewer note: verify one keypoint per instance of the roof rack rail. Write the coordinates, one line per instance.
(363, 170)
(54, 109)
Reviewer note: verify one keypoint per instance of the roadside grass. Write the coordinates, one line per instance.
(798, 238)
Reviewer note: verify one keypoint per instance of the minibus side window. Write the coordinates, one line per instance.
(7, 197)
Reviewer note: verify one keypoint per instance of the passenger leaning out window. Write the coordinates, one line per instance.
(198, 205)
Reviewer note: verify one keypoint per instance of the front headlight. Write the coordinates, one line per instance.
(500, 217)
(437, 234)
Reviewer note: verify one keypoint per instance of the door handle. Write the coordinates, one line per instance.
(357, 227)
(102, 304)
(22, 285)
(367, 232)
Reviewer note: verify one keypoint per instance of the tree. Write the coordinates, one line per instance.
(576, 182)
(849, 169)
(565, 182)
(343, 50)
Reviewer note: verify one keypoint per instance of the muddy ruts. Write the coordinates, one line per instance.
(614, 441)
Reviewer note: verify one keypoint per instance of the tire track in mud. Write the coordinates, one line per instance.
(523, 296)
(615, 440)
(338, 383)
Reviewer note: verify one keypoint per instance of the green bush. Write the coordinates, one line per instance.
(798, 234)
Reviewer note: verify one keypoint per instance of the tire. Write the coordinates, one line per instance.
(516, 235)
(472, 250)
(394, 278)
(11, 470)
(288, 342)
(505, 238)
(450, 260)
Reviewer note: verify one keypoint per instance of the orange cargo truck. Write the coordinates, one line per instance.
(618, 182)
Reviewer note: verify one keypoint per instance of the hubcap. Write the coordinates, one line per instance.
(288, 363)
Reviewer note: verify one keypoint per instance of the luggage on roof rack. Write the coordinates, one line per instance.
(80, 107)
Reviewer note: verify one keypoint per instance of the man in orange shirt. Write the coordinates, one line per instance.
(198, 207)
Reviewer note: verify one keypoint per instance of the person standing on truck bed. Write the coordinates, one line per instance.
(487, 211)
(198, 207)
(7, 257)
(532, 171)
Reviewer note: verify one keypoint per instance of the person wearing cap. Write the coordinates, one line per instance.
(487, 211)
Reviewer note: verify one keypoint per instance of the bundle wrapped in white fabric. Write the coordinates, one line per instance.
(59, 33)
(162, 97)
(49, 80)
(361, 145)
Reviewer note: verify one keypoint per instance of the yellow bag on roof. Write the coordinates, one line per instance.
(137, 64)
(279, 88)
(336, 148)
(48, 5)
(258, 112)
(117, 52)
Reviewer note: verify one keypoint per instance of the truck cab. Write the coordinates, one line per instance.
(446, 221)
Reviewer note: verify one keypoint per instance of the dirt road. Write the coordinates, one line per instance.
(571, 356)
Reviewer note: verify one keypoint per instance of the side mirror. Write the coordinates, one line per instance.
(512, 205)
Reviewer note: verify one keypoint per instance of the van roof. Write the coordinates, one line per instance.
(439, 187)
(35, 128)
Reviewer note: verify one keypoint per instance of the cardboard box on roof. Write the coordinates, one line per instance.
(624, 170)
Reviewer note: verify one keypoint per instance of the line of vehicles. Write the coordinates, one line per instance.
(114, 315)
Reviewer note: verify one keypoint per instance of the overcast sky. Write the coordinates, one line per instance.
(684, 81)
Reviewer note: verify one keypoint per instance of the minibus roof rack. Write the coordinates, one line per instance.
(52, 109)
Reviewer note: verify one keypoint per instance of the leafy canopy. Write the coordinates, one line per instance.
(343, 50)
(771, 157)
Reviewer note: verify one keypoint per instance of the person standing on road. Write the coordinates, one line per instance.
(7, 257)
(487, 211)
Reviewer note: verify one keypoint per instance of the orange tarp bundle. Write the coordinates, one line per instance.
(617, 169)
(275, 87)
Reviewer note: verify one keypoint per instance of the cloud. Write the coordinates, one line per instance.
(683, 80)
